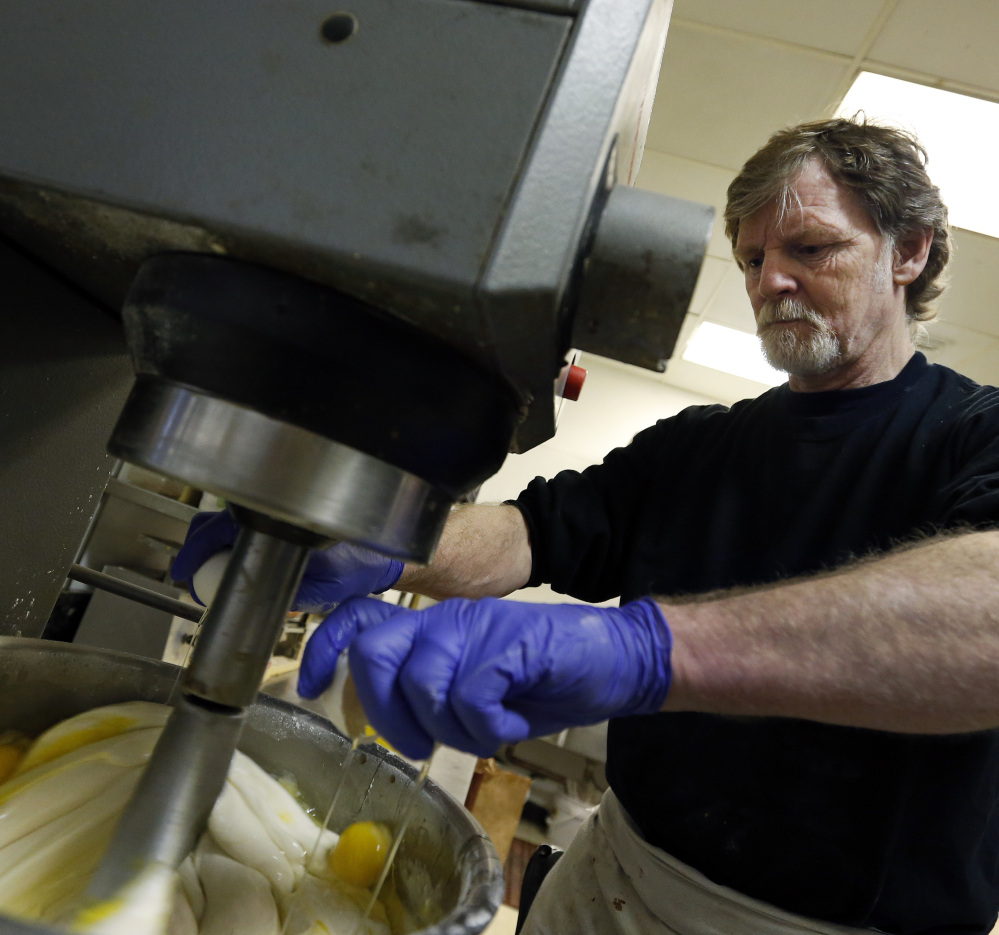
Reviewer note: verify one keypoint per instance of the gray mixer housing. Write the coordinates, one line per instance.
(462, 165)
(448, 161)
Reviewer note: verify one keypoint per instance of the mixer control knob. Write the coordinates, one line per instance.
(639, 275)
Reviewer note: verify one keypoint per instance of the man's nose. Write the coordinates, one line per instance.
(776, 278)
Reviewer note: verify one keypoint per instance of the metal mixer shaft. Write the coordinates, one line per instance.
(187, 770)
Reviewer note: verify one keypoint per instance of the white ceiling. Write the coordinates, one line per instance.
(734, 71)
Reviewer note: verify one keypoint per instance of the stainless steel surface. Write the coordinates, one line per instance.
(639, 276)
(134, 592)
(245, 619)
(110, 621)
(146, 499)
(135, 528)
(170, 807)
(284, 471)
(43, 682)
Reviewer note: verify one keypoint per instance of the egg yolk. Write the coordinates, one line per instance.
(10, 757)
(359, 856)
(102, 729)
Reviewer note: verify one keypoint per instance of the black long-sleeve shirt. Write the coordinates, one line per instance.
(896, 832)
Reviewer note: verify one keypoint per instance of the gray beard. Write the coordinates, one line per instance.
(815, 352)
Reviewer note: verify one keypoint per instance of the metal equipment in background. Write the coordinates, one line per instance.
(352, 249)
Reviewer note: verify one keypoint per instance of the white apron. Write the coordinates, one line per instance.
(610, 881)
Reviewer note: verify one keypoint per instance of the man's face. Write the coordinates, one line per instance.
(821, 285)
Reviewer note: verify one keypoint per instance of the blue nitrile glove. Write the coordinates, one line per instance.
(331, 575)
(478, 674)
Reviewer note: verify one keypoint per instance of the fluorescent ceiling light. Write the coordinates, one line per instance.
(731, 351)
(961, 136)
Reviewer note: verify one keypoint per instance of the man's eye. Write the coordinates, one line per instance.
(811, 249)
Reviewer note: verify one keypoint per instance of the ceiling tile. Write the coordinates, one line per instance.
(712, 274)
(695, 181)
(974, 283)
(729, 305)
(837, 27)
(721, 96)
(955, 40)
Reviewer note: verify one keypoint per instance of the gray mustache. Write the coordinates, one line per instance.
(786, 310)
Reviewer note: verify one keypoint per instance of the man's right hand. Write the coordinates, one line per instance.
(331, 575)
(478, 674)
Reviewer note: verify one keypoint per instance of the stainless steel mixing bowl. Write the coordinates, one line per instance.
(447, 871)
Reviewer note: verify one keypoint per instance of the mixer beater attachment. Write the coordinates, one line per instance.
(188, 767)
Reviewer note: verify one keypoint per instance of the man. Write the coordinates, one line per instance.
(801, 674)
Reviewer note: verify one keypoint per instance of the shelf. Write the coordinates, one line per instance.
(151, 501)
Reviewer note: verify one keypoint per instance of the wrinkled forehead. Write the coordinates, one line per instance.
(812, 198)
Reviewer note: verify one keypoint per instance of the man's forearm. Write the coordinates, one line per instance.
(907, 642)
(484, 551)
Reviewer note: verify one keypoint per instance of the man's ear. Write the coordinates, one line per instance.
(912, 250)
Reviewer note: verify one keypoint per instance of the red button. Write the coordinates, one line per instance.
(573, 382)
